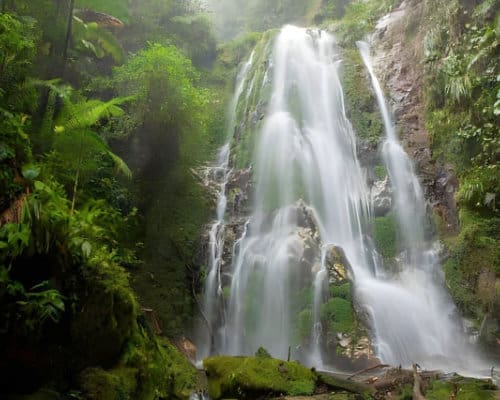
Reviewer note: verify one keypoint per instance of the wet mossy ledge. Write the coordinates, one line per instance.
(252, 377)
(264, 377)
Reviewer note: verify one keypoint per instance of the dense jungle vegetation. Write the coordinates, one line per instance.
(107, 106)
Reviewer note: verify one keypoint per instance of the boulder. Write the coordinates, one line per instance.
(381, 196)
(253, 377)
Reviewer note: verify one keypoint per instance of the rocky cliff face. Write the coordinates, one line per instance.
(399, 61)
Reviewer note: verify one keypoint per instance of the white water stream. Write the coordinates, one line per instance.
(306, 153)
(413, 316)
(220, 174)
(306, 150)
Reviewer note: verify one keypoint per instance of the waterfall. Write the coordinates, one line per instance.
(219, 175)
(310, 190)
(305, 153)
(414, 318)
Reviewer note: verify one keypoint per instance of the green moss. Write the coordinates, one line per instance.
(116, 384)
(475, 251)
(385, 235)
(380, 171)
(247, 118)
(338, 315)
(460, 389)
(149, 368)
(248, 377)
(343, 291)
(360, 103)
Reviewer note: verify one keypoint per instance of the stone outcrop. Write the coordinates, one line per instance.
(381, 196)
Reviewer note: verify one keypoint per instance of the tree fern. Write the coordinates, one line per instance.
(77, 142)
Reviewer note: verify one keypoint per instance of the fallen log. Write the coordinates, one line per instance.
(337, 383)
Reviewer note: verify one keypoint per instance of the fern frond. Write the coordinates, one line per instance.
(88, 112)
(120, 165)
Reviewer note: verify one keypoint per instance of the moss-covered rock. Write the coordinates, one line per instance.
(150, 368)
(106, 314)
(472, 272)
(360, 102)
(385, 235)
(248, 377)
(118, 383)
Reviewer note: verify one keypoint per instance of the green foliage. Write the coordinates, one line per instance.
(359, 19)
(149, 368)
(163, 83)
(41, 304)
(406, 393)
(16, 53)
(65, 299)
(99, 41)
(461, 50)
(116, 8)
(195, 34)
(15, 150)
(476, 250)
(480, 187)
(18, 37)
(248, 377)
(78, 144)
(385, 235)
(262, 352)
(462, 104)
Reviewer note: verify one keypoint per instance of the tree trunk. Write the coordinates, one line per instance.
(69, 28)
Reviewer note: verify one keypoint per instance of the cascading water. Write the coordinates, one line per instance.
(305, 168)
(220, 174)
(306, 150)
(413, 316)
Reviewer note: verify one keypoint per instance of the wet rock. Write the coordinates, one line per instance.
(186, 347)
(443, 196)
(337, 265)
(381, 195)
